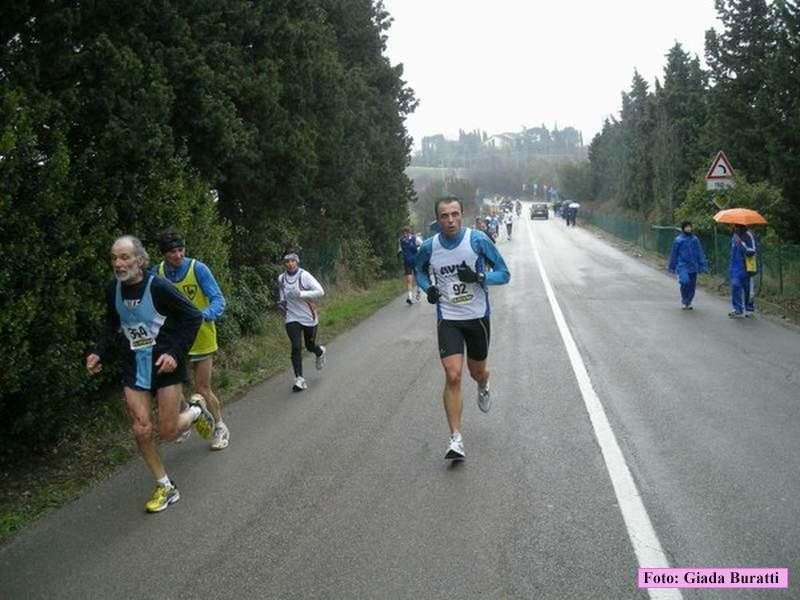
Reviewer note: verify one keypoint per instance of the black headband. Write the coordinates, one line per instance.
(173, 242)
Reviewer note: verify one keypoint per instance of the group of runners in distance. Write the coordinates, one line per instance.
(167, 315)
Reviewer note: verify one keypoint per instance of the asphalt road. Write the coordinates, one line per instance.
(342, 491)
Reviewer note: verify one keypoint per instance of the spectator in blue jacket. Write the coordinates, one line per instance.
(687, 260)
(743, 246)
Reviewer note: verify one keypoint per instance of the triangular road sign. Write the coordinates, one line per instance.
(720, 168)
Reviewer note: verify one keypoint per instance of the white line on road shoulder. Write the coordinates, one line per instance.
(640, 529)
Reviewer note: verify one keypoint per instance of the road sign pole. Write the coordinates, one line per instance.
(715, 269)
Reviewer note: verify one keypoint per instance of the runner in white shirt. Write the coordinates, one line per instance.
(297, 289)
(460, 259)
(508, 219)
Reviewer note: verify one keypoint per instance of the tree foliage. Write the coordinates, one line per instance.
(747, 102)
(252, 126)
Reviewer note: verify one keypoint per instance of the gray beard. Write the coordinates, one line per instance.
(132, 274)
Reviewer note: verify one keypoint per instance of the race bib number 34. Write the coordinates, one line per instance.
(138, 336)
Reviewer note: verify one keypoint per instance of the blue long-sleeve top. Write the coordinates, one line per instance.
(482, 246)
(687, 255)
(741, 246)
(206, 281)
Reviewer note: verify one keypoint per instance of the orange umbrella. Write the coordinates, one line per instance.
(739, 216)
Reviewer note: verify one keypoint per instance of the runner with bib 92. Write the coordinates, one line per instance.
(459, 257)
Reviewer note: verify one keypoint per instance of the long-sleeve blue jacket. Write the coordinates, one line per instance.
(741, 246)
(687, 255)
(206, 281)
(482, 246)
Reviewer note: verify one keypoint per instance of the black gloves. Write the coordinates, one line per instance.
(467, 275)
(433, 294)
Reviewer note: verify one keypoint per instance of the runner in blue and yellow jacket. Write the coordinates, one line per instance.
(196, 282)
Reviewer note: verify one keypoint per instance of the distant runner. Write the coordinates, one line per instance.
(160, 326)
(508, 219)
(459, 257)
(408, 246)
(297, 288)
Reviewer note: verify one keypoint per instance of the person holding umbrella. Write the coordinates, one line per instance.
(687, 259)
(741, 269)
(743, 262)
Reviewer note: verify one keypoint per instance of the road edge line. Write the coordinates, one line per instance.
(643, 537)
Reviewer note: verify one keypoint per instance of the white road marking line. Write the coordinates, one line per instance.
(649, 552)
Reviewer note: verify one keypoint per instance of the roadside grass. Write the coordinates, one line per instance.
(784, 308)
(32, 484)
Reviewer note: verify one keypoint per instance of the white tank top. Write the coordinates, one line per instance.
(459, 301)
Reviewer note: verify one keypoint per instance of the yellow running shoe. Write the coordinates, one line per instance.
(205, 423)
(163, 496)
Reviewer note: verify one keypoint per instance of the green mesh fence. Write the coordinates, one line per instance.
(779, 268)
(321, 260)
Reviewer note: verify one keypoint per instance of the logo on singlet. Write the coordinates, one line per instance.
(448, 269)
(190, 290)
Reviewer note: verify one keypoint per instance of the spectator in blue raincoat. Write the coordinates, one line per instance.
(687, 259)
(743, 247)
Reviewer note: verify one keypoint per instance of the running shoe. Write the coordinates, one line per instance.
(163, 496)
(222, 437)
(455, 451)
(419, 294)
(749, 314)
(322, 359)
(484, 397)
(736, 315)
(184, 436)
(409, 302)
(204, 423)
(299, 384)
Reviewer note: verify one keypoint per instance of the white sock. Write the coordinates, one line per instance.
(220, 424)
(195, 412)
(456, 436)
(409, 294)
(164, 481)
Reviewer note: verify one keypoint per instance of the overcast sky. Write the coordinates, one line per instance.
(497, 65)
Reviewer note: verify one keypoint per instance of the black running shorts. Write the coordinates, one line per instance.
(453, 335)
(157, 380)
(408, 267)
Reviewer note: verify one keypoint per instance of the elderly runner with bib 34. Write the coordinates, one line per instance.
(458, 258)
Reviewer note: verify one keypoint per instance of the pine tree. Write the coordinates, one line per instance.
(739, 62)
(637, 129)
(680, 115)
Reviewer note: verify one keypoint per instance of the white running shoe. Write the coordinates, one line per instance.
(299, 384)
(322, 359)
(455, 451)
(484, 397)
(222, 437)
(184, 436)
